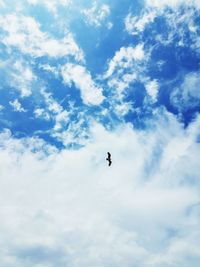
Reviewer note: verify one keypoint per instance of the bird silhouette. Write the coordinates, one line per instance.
(109, 159)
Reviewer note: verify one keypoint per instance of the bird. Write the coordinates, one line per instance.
(109, 159)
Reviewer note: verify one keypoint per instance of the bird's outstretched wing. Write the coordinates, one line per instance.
(110, 162)
(109, 155)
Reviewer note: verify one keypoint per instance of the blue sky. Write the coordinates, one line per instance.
(78, 79)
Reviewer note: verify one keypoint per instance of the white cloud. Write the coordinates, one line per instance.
(75, 134)
(1, 107)
(109, 25)
(90, 92)
(53, 110)
(187, 95)
(152, 88)
(17, 106)
(51, 5)
(22, 78)
(181, 28)
(172, 3)
(49, 68)
(96, 15)
(2, 4)
(135, 24)
(124, 58)
(179, 24)
(127, 66)
(70, 207)
(24, 33)
(18, 74)
(122, 108)
(61, 118)
(41, 113)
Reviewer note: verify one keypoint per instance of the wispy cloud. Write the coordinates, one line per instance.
(51, 5)
(90, 92)
(171, 3)
(18, 74)
(17, 105)
(124, 58)
(24, 33)
(135, 25)
(96, 14)
(152, 88)
(187, 94)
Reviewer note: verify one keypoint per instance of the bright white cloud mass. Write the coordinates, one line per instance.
(79, 79)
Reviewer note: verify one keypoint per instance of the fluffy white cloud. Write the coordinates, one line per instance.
(124, 58)
(135, 25)
(181, 26)
(90, 92)
(18, 74)
(127, 66)
(17, 105)
(96, 15)
(76, 133)
(152, 88)
(41, 113)
(50, 69)
(187, 95)
(24, 33)
(22, 78)
(70, 208)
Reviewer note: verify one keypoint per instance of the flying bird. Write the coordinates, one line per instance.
(109, 159)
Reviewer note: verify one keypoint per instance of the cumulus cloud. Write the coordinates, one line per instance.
(18, 74)
(187, 95)
(17, 105)
(124, 58)
(90, 92)
(41, 113)
(24, 33)
(181, 27)
(152, 88)
(50, 69)
(135, 25)
(72, 208)
(127, 66)
(96, 15)
(76, 134)
(22, 78)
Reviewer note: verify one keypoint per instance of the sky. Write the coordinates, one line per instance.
(79, 78)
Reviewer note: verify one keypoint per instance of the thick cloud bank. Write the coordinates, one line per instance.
(69, 208)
